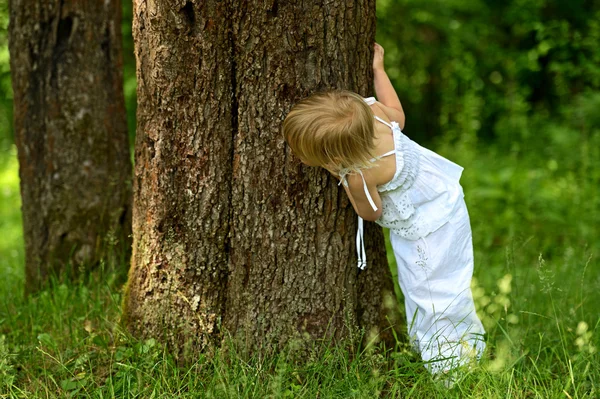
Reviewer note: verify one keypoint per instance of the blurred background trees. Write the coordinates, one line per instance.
(71, 134)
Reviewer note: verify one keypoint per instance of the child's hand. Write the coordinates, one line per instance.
(378, 58)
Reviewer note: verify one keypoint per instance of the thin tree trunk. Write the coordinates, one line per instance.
(229, 227)
(71, 133)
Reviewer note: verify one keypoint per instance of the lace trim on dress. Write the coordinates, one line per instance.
(400, 215)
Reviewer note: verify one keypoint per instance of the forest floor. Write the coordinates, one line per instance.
(535, 218)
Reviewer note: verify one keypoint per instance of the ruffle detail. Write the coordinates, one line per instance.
(398, 213)
(407, 163)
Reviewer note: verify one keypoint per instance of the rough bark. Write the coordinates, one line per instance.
(229, 228)
(182, 171)
(293, 258)
(71, 133)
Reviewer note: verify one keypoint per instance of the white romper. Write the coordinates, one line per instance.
(424, 208)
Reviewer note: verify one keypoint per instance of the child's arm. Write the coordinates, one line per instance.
(358, 198)
(384, 90)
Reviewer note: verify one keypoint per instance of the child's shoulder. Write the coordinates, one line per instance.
(381, 173)
(388, 114)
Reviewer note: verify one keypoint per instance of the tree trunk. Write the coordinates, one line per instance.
(182, 183)
(71, 133)
(229, 228)
(292, 257)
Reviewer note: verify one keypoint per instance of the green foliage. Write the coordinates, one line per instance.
(542, 187)
(5, 85)
(11, 244)
(129, 78)
(475, 68)
(7, 371)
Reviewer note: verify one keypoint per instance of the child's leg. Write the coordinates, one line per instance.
(435, 277)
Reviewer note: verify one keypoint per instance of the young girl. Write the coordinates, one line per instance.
(415, 193)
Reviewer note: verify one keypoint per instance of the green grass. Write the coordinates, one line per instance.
(537, 283)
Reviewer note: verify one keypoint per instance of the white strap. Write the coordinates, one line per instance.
(360, 233)
(369, 198)
(384, 122)
(360, 239)
(370, 100)
(360, 245)
(392, 152)
(388, 153)
(343, 181)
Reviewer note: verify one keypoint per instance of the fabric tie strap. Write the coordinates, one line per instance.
(369, 198)
(360, 245)
(360, 232)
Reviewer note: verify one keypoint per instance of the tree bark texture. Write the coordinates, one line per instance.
(230, 229)
(71, 133)
(182, 183)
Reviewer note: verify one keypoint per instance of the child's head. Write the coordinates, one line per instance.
(332, 129)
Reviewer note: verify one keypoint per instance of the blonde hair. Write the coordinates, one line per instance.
(332, 129)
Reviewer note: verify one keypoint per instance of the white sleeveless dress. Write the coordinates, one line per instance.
(430, 232)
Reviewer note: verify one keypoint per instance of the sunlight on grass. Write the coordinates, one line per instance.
(11, 244)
